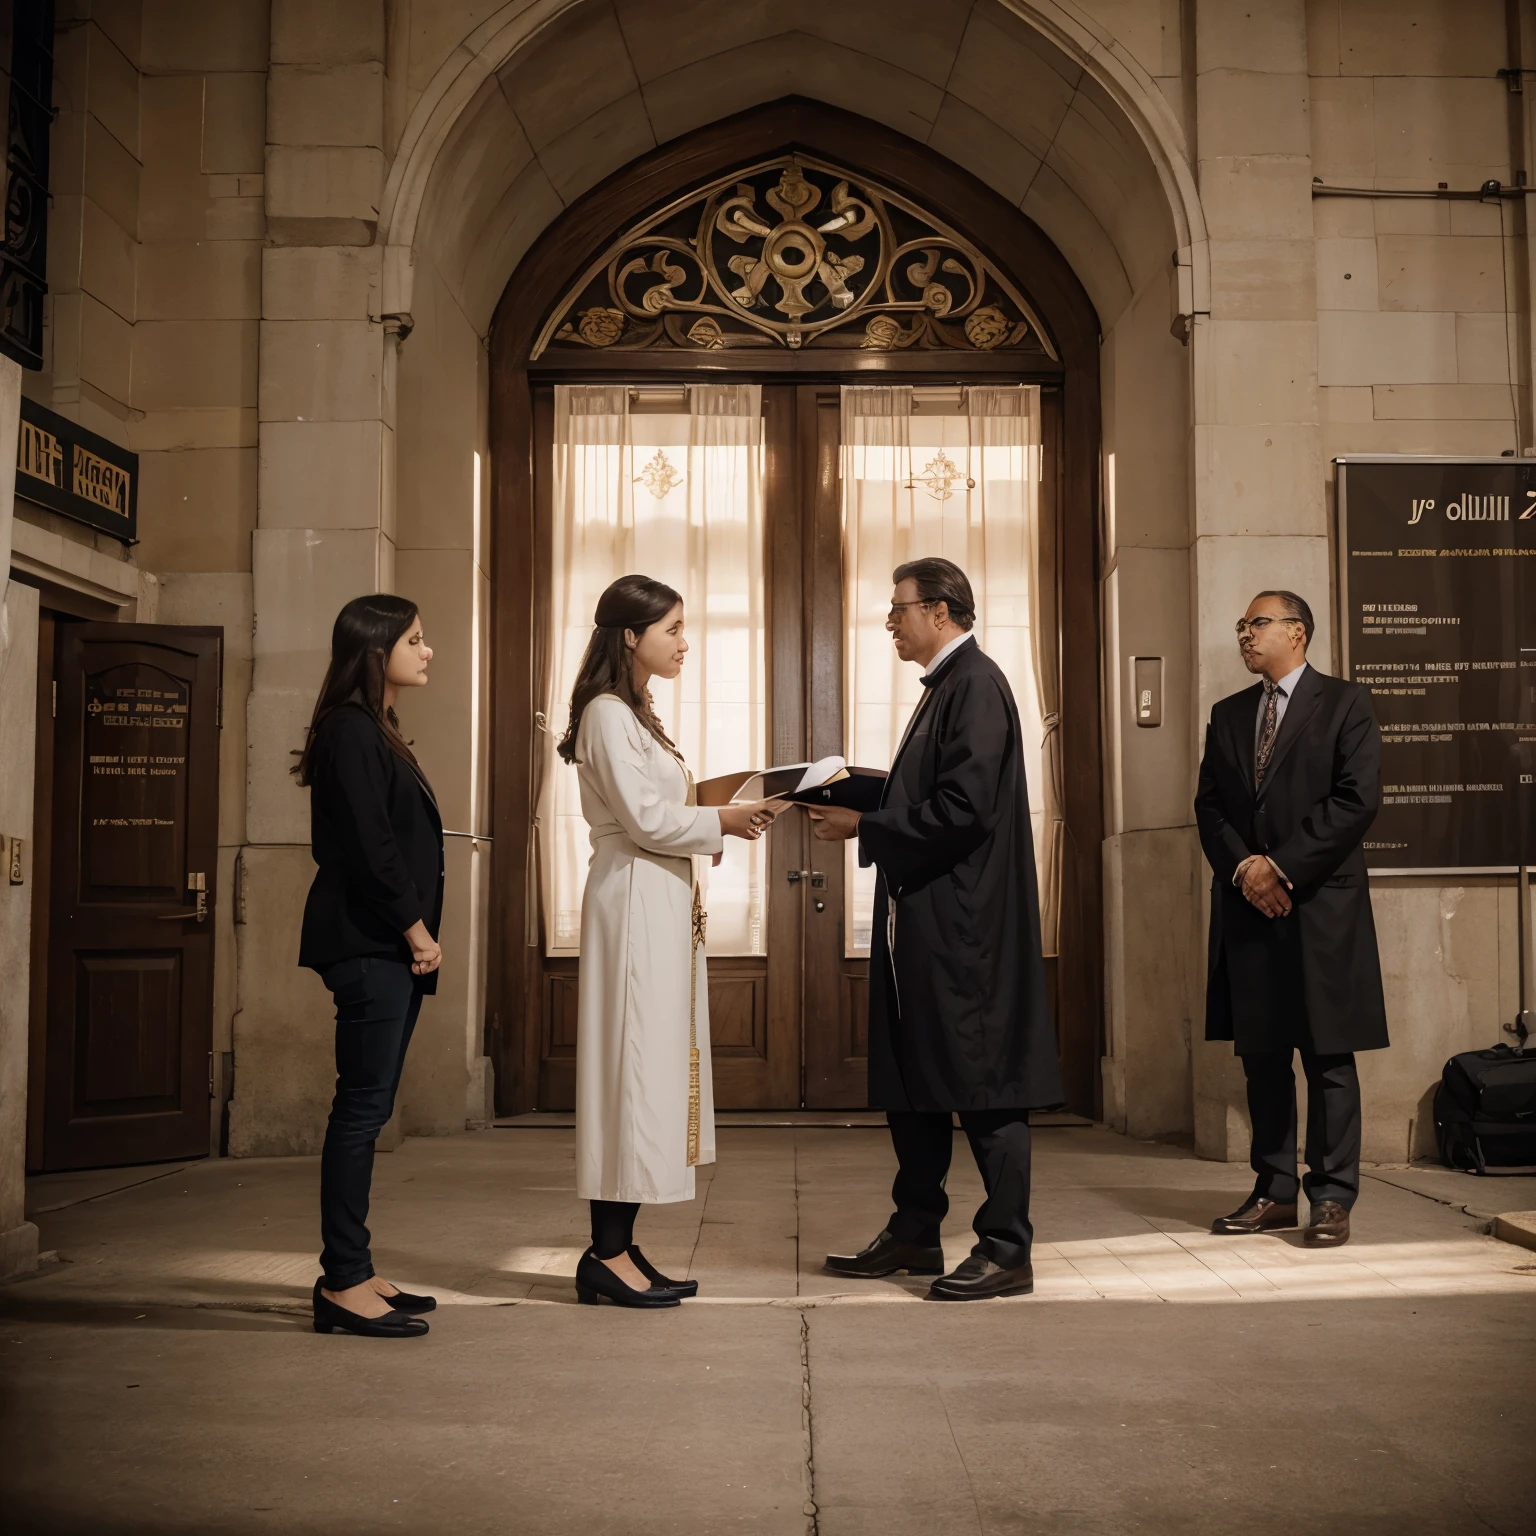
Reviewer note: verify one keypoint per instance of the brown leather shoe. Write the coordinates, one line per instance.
(1328, 1226)
(1257, 1214)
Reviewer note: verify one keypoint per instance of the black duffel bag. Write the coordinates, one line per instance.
(1485, 1111)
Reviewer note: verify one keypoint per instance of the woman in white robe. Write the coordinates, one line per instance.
(643, 990)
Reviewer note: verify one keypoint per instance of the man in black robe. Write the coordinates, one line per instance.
(958, 1019)
(1289, 786)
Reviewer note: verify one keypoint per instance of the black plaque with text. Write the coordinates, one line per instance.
(1437, 589)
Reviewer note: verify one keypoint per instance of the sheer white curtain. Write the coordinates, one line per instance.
(675, 495)
(905, 475)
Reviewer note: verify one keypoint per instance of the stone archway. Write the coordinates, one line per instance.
(1065, 314)
(1094, 154)
(1091, 153)
(529, 111)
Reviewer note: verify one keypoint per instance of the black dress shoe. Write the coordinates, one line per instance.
(595, 1279)
(979, 1279)
(1328, 1226)
(885, 1256)
(1257, 1214)
(393, 1325)
(659, 1281)
(404, 1301)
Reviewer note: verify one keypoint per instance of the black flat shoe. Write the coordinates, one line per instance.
(885, 1256)
(404, 1301)
(659, 1281)
(393, 1325)
(595, 1279)
(980, 1279)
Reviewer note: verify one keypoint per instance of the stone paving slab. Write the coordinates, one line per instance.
(557, 1420)
(492, 1219)
(162, 1378)
(1325, 1417)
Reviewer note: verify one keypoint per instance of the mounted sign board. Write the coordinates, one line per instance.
(1437, 596)
(61, 466)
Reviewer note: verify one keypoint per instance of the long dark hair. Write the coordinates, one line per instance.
(364, 634)
(608, 665)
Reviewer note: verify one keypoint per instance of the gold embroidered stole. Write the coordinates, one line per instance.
(696, 934)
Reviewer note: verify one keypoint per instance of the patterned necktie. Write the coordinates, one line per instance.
(1267, 731)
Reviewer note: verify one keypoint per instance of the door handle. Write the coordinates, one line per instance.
(197, 883)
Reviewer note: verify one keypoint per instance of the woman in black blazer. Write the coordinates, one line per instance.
(370, 930)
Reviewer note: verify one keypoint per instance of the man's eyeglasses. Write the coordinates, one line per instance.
(1256, 626)
(896, 608)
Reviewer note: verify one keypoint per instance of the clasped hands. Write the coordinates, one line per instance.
(830, 824)
(1261, 883)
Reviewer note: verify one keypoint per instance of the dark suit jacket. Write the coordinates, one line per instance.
(1313, 977)
(959, 1019)
(377, 837)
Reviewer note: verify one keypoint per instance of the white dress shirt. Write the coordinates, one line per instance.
(948, 651)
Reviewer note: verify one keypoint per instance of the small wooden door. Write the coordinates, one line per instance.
(130, 947)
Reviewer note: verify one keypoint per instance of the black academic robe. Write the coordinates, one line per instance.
(959, 1019)
(1313, 977)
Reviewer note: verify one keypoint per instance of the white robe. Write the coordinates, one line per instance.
(636, 940)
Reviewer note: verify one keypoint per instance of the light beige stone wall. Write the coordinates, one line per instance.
(1260, 516)
(324, 523)
(1422, 348)
(245, 191)
(443, 565)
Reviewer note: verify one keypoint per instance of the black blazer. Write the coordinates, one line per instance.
(1312, 978)
(376, 834)
(958, 1018)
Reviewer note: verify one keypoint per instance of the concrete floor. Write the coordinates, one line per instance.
(160, 1376)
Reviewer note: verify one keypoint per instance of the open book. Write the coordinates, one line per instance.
(827, 782)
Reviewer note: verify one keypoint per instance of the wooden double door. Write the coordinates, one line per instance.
(788, 1029)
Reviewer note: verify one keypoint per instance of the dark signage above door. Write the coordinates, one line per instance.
(1437, 596)
(61, 466)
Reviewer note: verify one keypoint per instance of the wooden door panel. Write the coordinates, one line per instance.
(836, 986)
(129, 1034)
(132, 892)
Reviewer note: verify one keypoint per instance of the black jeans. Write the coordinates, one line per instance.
(376, 1006)
(1333, 1126)
(999, 1141)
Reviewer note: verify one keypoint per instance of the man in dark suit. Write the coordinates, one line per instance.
(958, 1019)
(1289, 785)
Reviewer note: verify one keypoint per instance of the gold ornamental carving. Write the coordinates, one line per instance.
(793, 252)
